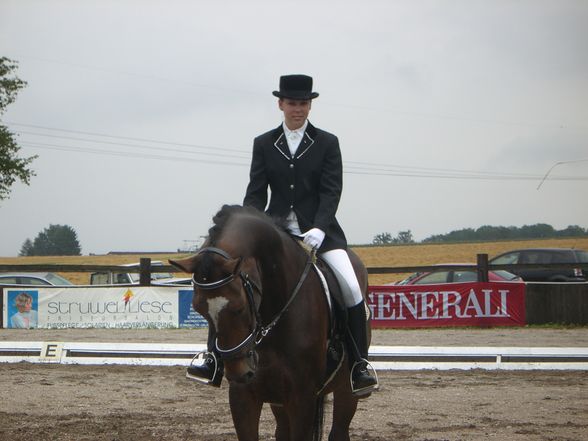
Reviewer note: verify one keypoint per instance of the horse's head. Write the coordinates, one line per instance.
(227, 292)
(243, 256)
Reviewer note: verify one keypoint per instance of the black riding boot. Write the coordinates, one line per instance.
(362, 380)
(211, 371)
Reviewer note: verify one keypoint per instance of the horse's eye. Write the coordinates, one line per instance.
(240, 310)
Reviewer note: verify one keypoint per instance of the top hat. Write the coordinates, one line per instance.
(296, 87)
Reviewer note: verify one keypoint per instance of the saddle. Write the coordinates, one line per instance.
(336, 343)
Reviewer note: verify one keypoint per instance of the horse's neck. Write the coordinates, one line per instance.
(282, 272)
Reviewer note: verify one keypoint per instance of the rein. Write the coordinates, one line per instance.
(258, 332)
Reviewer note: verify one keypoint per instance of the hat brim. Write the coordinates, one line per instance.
(295, 96)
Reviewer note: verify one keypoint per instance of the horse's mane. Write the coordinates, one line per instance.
(222, 217)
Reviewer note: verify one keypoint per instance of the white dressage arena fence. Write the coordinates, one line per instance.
(381, 357)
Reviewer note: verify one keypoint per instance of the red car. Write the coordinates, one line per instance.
(444, 275)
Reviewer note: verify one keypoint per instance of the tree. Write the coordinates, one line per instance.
(27, 248)
(57, 240)
(404, 237)
(382, 239)
(12, 167)
(573, 231)
(537, 231)
(488, 232)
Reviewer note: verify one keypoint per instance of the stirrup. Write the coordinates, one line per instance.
(363, 391)
(217, 375)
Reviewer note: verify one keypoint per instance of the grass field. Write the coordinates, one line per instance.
(390, 256)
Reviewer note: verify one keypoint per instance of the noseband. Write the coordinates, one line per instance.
(258, 332)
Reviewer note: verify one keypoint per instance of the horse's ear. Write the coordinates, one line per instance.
(187, 265)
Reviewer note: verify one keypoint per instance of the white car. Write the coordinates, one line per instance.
(131, 276)
(33, 279)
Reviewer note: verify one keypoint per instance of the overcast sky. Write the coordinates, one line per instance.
(142, 113)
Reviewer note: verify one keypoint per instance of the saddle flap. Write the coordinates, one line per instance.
(338, 309)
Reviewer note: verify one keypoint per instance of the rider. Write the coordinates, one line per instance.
(302, 166)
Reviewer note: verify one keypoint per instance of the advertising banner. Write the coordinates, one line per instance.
(453, 304)
(92, 307)
(188, 318)
(405, 306)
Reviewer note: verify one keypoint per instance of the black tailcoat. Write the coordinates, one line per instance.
(309, 182)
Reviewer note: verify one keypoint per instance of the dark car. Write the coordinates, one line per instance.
(449, 275)
(545, 256)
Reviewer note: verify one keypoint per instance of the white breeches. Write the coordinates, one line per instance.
(339, 261)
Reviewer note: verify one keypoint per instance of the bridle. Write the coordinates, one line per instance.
(258, 332)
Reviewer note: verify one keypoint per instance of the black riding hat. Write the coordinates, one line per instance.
(296, 87)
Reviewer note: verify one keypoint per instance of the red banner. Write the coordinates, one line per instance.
(450, 304)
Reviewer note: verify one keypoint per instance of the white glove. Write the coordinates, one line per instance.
(314, 237)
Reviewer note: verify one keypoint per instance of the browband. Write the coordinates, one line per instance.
(218, 283)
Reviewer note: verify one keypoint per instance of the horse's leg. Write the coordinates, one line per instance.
(246, 411)
(282, 423)
(344, 407)
(301, 412)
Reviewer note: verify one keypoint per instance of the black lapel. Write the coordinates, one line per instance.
(307, 141)
(280, 142)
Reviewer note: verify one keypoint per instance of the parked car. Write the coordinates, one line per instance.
(131, 276)
(456, 276)
(33, 279)
(184, 281)
(545, 255)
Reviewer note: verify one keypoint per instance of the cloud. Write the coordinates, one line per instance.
(470, 86)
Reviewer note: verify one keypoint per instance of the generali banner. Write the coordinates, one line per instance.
(92, 307)
(455, 304)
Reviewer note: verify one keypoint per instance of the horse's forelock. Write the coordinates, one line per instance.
(220, 220)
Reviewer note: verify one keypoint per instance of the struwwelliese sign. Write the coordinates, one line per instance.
(92, 307)
(454, 304)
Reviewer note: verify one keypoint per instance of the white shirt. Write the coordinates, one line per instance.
(24, 320)
(294, 137)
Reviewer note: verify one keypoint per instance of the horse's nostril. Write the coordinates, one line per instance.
(246, 378)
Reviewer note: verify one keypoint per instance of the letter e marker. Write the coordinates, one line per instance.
(51, 352)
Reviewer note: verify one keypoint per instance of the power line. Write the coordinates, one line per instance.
(153, 141)
(125, 154)
(372, 172)
(472, 177)
(356, 165)
(555, 165)
(384, 167)
(73, 138)
(352, 167)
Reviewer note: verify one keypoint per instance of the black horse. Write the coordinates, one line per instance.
(257, 287)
